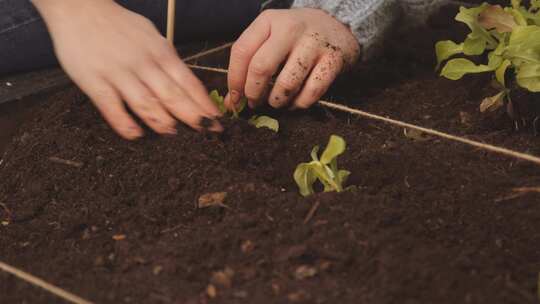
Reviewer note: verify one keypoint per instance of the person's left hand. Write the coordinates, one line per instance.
(313, 46)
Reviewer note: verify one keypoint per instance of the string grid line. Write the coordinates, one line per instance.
(433, 132)
(68, 296)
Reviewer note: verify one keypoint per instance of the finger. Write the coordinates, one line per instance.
(242, 52)
(294, 74)
(265, 64)
(144, 103)
(110, 105)
(321, 78)
(168, 60)
(174, 99)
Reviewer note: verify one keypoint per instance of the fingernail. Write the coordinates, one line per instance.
(234, 97)
(134, 132)
(172, 131)
(205, 123)
(216, 127)
(209, 124)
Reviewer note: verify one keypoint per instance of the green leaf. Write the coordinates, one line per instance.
(500, 73)
(335, 147)
(447, 49)
(326, 177)
(315, 153)
(456, 68)
(218, 101)
(264, 122)
(241, 106)
(525, 35)
(305, 178)
(494, 61)
(524, 45)
(342, 176)
(520, 15)
(535, 4)
(474, 45)
(469, 16)
(528, 77)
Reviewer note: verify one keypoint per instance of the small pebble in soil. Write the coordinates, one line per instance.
(5, 223)
(157, 269)
(223, 278)
(119, 237)
(276, 288)
(9, 84)
(305, 272)
(211, 291)
(215, 199)
(99, 261)
(241, 294)
(299, 296)
(247, 246)
(86, 234)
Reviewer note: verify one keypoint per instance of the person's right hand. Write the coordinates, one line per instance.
(115, 55)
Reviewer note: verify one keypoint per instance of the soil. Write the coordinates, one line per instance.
(429, 222)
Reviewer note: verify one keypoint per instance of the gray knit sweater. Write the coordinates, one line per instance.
(371, 19)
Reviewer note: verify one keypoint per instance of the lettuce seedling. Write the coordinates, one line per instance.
(511, 38)
(219, 101)
(257, 121)
(264, 122)
(325, 169)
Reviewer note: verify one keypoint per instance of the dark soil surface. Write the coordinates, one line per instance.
(430, 221)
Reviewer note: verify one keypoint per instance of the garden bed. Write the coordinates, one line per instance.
(429, 222)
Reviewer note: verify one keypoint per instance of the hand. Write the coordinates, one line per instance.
(314, 46)
(113, 54)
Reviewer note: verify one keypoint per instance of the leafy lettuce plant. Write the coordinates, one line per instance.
(511, 38)
(324, 169)
(257, 121)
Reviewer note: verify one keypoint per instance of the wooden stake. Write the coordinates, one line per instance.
(171, 14)
(42, 284)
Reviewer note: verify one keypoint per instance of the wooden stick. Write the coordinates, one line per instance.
(208, 52)
(171, 14)
(46, 286)
(66, 162)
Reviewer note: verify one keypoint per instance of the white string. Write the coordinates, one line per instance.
(208, 52)
(44, 285)
(480, 145)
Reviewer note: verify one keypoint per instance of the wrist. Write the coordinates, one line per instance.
(50, 9)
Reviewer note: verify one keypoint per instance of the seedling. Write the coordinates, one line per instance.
(257, 121)
(511, 38)
(325, 169)
(220, 103)
(264, 122)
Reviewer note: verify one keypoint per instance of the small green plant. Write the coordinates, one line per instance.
(257, 121)
(511, 38)
(325, 169)
(219, 101)
(264, 122)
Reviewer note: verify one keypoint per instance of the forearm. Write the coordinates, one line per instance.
(51, 8)
(369, 20)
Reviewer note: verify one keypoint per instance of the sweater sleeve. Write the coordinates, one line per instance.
(368, 19)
